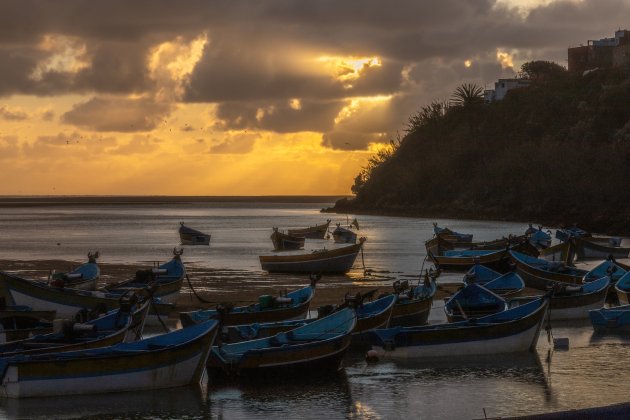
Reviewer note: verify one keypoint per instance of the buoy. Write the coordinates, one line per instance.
(371, 356)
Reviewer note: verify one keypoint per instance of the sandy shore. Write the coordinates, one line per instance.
(216, 286)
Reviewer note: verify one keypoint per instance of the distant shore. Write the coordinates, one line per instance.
(34, 201)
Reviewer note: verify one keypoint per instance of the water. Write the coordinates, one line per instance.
(590, 373)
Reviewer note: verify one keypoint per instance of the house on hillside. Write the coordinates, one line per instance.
(602, 53)
(501, 88)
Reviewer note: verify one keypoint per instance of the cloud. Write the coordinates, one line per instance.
(117, 114)
(12, 114)
(239, 143)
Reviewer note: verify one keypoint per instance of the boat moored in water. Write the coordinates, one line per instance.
(284, 242)
(473, 301)
(313, 232)
(335, 260)
(190, 236)
(542, 274)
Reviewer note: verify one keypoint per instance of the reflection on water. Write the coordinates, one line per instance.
(590, 373)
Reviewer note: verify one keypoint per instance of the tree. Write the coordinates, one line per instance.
(428, 114)
(542, 71)
(467, 95)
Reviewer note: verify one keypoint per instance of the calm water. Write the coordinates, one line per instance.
(590, 373)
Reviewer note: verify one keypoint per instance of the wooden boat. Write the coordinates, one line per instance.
(20, 322)
(68, 302)
(342, 235)
(566, 234)
(337, 260)
(610, 268)
(413, 304)
(268, 309)
(480, 274)
(164, 280)
(564, 252)
(190, 236)
(165, 361)
(508, 285)
(514, 330)
(614, 320)
(316, 347)
(451, 236)
(623, 289)
(587, 248)
(370, 315)
(450, 259)
(313, 232)
(83, 277)
(117, 326)
(540, 239)
(473, 301)
(541, 274)
(284, 242)
(571, 302)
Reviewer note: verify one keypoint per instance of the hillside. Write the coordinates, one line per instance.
(556, 152)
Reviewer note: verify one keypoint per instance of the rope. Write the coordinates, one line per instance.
(157, 313)
(363, 262)
(195, 293)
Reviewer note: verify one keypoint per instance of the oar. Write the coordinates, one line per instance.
(461, 310)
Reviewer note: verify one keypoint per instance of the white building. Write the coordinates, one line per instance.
(502, 87)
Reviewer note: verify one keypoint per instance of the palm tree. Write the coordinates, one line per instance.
(468, 94)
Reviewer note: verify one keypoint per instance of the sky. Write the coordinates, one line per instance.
(234, 97)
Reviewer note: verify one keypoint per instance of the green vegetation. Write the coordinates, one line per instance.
(556, 152)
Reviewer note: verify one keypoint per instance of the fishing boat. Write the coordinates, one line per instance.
(445, 257)
(566, 234)
(313, 232)
(542, 274)
(473, 301)
(117, 326)
(413, 304)
(623, 289)
(591, 248)
(508, 285)
(165, 280)
(510, 331)
(613, 320)
(564, 251)
(293, 305)
(480, 274)
(19, 322)
(572, 302)
(316, 347)
(336, 260)
(68, 302)
(83, 277)
(370, 315)
(165, 361)
(610, 267)
(190, 236)
(540, 239)
(451, 236)
(284, 242)
(342, 235)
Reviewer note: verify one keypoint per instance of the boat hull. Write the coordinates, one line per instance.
(586, 249)
(338, 260)
(471, 340)
(131, 371)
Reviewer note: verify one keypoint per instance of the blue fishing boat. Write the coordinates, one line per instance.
(451, 236)
(610, 268)
(342, 235)
(623, 289)
(165, 280)
(569, 233)
(413, 304)
(540, 239)
(542, 274)
(571, 302)
(117, 326)
(510, 331)
(509, 284)
(316, 347)
(293, 305)
(473, 301)
(285, 242)
(18, 322)
(480, 274)
(615, 319)
(596, 248)
(165, 361)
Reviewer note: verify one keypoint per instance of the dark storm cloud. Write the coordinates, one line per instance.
(279, 116)
(113, 114)
(252, 58)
